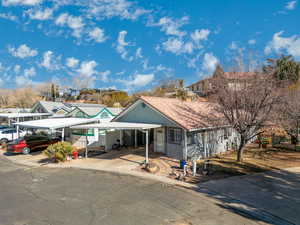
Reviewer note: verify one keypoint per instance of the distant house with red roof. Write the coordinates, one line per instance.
(189, 129)
(204, 87)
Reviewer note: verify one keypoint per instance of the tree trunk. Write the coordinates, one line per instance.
(240, 150)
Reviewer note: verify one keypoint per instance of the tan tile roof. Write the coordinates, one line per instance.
(189, 115)
(229, 75)
(238, 75)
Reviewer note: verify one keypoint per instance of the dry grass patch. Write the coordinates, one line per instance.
(255, 160)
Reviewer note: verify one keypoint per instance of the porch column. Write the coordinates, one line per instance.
(185, 146)
(86, 143)
(18, 132)
(121, 137)
(135, 138)
(63, 134)
(147, 147)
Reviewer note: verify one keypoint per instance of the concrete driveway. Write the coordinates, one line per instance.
(60, 196)
(273, 196)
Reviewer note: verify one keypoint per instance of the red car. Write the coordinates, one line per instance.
(31, 143)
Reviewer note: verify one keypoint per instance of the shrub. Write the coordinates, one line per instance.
(59, 151)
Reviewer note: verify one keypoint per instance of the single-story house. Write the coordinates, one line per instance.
(60, 109)
(103, 113)
(50, 107)
(94, 136)
(187, 127)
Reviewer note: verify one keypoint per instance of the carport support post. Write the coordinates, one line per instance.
(121, 137)
(18, 134)
(86, 143)
(63, 134)
(147, 147)
(135, 138)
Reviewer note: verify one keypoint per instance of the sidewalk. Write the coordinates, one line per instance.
(125, 165)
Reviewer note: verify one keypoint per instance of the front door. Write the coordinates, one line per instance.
(160, 140)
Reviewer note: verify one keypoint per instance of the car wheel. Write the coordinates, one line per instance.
(4, 140)
(26, 151)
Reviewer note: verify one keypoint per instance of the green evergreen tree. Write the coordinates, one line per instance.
(284, 69)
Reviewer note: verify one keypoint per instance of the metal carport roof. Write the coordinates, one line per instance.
(144, 127)
(22, 115)
(118, 126)
(55, 123)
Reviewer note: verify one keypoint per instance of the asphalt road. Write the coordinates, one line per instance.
(273, 195)
(44, 196)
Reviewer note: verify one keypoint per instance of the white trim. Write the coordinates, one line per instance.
(22, 115)
(53, 124)
(117, 125)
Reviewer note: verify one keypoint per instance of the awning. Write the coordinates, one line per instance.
(118, 126)
(22, 115)
(55, 123)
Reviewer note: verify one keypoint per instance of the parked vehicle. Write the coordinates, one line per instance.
(2, 127)
(31, 143)
(10, 134)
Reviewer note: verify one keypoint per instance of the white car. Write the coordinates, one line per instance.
(10, 134)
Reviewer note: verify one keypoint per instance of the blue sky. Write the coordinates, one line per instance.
(133, 45)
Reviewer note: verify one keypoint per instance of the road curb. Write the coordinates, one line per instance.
(115, 171)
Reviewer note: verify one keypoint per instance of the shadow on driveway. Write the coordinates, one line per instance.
(272, 197)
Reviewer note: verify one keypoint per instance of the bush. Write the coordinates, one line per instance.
(59, 151)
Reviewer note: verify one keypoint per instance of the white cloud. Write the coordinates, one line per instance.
(8, 16)
(177, 46)
(17, 69)
(209, 63)
(85, 76)
(50, 62)
(140, 80)
(72, 62)
(30, 72)
(200, 35)
(22, 81)
(40, 14)
(104, 75)
(73, 22)
(87, 68)
(280, 45)
(22, 51)
(252, 42)
(138, 53)
(20, 2)
(97, 34)
(114, 8)
(25, 79)
(233, 45)
(291, 5)
(170, 26)
(122, 44)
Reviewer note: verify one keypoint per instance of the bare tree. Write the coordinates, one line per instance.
(246, 104)
(288, 113)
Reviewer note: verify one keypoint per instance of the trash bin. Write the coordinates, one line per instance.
(75, 155)
(182, 164)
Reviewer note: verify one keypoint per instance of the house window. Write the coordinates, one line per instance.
(104, 115)
(191, 139)
(175, 135)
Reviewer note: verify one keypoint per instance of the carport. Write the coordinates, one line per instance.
(120, 126)
(16, 117)
(54, 124)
